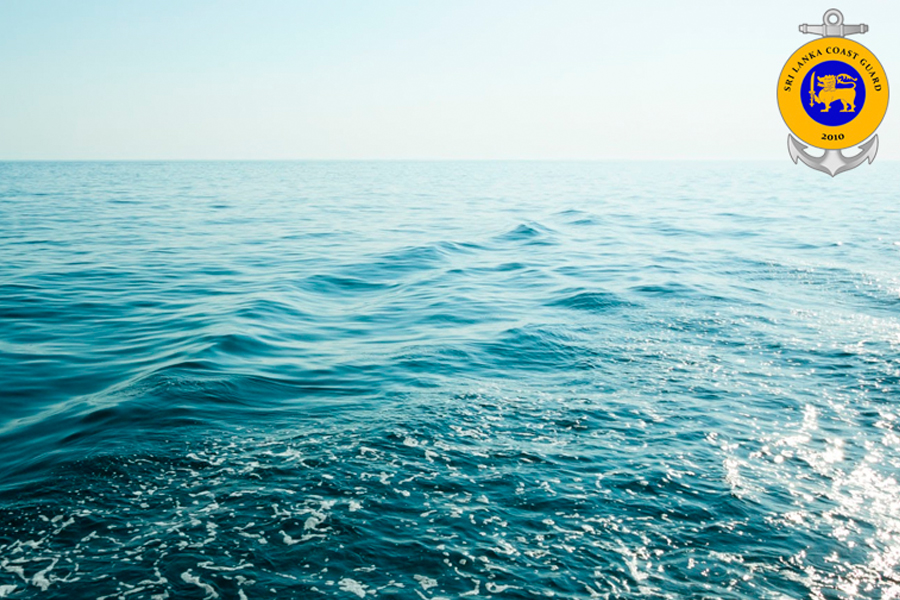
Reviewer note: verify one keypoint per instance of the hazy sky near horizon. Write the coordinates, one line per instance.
(391, 79)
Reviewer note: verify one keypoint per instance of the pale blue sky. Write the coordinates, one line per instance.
(462, 79)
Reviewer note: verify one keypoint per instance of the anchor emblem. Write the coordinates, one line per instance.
(833, 72)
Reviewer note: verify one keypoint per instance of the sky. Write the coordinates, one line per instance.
(408, 79)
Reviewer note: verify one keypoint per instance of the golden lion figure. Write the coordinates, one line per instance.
(830, 92)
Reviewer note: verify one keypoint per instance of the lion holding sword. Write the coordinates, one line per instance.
(830, 92)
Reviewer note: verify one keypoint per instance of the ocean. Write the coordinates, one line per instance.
(449, 379)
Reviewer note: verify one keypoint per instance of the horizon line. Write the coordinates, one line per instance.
(136, 160)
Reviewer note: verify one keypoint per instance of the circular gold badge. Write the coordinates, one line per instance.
(832, 93)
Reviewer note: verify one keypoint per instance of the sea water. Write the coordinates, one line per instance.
(449, 379)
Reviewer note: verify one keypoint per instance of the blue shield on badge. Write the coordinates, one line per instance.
(833, 93)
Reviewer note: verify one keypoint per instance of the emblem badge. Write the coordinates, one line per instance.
(833, 94)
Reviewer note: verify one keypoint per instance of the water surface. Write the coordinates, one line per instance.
(434, 380)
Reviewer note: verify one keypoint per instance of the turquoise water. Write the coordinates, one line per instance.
(441, 380)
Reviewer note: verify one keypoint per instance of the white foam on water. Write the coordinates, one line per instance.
(474, 592)
(20, 571)
(254, 536)
(210, 533)
(210, 461)
(733, 477)
(424, 597)
(290, 453)
(351, 585)
(6, 590)
(426, 582)
(288, 539)
(134, 590)
(40, 578)
(189, 577)
(213, 567)
(495, 588)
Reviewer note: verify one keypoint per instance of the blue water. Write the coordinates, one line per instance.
(442, 380)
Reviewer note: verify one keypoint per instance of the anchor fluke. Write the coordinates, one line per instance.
(832, 162)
